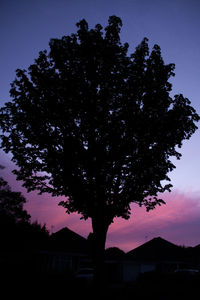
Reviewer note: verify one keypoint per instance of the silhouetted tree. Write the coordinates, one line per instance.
(32, 236)
(98, 125)
(11, 205)
(16, 230)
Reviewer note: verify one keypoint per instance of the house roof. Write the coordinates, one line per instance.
(67, 240)
(114, 253)
(156, 249)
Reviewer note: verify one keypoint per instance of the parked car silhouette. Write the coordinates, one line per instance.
(187, 271)
(85, 275)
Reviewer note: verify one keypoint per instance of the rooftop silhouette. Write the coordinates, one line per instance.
(68, 241)
(156, 249)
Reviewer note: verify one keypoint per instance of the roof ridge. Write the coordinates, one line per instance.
(150, 242)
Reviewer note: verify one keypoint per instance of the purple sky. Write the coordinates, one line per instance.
(26, 28)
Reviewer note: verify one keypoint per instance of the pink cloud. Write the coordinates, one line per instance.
(45, 210)
(178, 221)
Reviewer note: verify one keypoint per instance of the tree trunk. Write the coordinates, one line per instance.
(99, 240)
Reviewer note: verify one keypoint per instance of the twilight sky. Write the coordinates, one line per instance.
(26, 27)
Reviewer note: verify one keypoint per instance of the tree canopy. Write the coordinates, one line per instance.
(96, 124)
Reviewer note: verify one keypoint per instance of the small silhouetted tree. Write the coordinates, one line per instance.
(98, 125)
(12, 215)
(16, 230)
(11, 206)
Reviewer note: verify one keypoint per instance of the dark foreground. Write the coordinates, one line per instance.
(148, 286)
